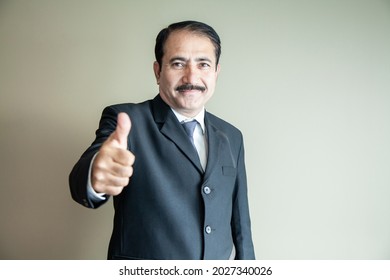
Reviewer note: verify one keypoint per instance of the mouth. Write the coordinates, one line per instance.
(189, 87)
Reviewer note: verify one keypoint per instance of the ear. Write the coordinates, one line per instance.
(217, 70)
(156, 69)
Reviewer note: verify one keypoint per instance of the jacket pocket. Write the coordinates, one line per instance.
(229, 171)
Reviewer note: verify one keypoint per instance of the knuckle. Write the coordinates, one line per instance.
(99, 188)
(131, 170)
(115, 190)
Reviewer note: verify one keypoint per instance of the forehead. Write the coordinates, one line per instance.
(185, 42)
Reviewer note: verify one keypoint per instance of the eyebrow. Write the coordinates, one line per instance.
(181, 58)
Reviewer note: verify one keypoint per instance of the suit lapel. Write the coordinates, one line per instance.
(172, 129)
(214, 143)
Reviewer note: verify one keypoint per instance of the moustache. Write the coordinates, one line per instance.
(190, 87)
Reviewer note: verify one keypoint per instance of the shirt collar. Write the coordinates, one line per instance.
(199, 118)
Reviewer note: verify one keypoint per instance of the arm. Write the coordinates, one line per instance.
(241, 224)
(112, 166)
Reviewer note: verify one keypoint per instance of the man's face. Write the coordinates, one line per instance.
(188, 73)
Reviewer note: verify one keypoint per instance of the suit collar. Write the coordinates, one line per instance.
(160, 109)
(199, 118)
(170, 126)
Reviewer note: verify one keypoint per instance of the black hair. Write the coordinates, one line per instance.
(192, 26)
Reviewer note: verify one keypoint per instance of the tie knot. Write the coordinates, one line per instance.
(189, 127)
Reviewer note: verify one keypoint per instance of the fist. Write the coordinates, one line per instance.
(113, 165)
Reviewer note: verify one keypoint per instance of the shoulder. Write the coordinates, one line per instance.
(222, 125)
(127, 107)
(134, 110)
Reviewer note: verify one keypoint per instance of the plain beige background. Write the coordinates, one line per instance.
(307, 82)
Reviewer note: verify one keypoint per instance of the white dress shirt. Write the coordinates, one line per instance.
(199, 136)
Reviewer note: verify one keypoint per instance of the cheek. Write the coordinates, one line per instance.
(170, 81)
(211, 81)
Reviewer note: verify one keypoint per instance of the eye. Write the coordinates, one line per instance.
(177, 65)
(204, 65)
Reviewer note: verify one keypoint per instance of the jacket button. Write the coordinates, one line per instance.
(206, 190)
(208, 229)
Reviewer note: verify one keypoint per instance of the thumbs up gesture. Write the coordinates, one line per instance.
(113, 165)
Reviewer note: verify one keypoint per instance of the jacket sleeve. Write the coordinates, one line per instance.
(78, 177)
(241, 224)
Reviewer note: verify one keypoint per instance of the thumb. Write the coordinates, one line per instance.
(122, 130)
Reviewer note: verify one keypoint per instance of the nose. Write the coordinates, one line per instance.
(190, 75)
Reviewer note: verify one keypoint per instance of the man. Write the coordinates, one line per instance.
(177, 195)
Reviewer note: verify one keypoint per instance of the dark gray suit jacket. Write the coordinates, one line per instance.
(172, 209)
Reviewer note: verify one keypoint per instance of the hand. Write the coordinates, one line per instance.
(113, 165)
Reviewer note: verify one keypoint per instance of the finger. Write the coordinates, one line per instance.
(116, 181)
(103, 183)
(101, 169)
(120, 170)
(122, 130)
(111, 190)
(114, 191)
(123, 157)
(112, 169)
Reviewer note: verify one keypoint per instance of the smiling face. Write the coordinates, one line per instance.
(188, 73)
